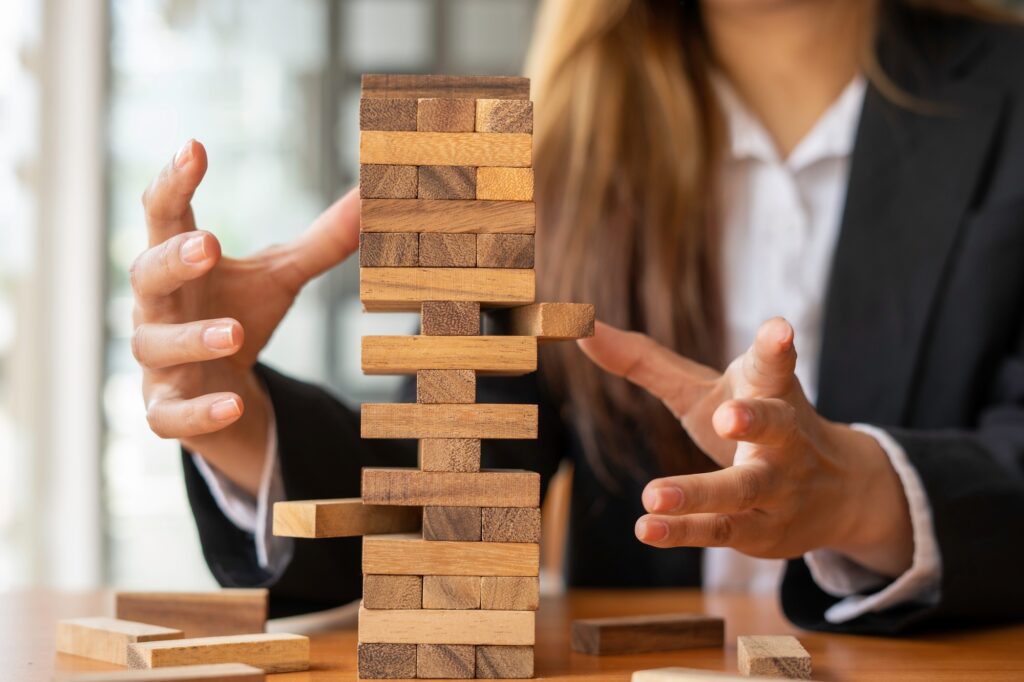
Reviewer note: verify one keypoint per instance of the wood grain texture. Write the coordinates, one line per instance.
(405, 289)
(198, 614)
(449, 454)
(510, 593)
(773, 656)
(451, 592)
(381, 181)
(449, 318)
(482, 420)
(388, 249)
(232, 672)
(387, 114)
(504, 662)
(675, 674)
(386, 661)
(426, 626)
(464, 87)
(445, 149)
(273, 653)
(504, 184)
(504, 250)
(456, 524)
(510, 524)
(445, 115)
(440, 250)
(412, 555)
(504, 116)
(546, 321)
(341, 518)
(107, 639)
(640, 634)
(445, 386)
(392, 591)
(456, 215)
(445, 661)
(412, 487)
(445, 182)
(497, 355)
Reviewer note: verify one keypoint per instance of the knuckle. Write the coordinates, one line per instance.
(156, 421)
(135, 272)
(137, 344)
(721, 529)
(748, 485)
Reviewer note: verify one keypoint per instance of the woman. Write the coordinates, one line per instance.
(701, 167)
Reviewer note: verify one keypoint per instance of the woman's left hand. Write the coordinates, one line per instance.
(792, 481)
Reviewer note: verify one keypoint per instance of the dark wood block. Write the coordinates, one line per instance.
(392, 591)
(504, 662)
(461, 87)
(439, 250)
(443, 115)
(449, 454)
(504, 250)
(384, 181)
(510, 524)
(387, 661)
(446, 386)
(504, 116)
(450, 318)
(639, 634)
(445, 182)
(445, 661)
(388, 249)
(451, 592)
(509, 593)
(451, 523)
(387, 114)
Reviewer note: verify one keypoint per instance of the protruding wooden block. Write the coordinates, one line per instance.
(510, 593)
(404, 289)
(412, 487)
(686, 675)
(451, 592)
(216, 672)
(504, 116)
(504, 662)
(504, 250)
(547, 321)
(198, 614)
(341, 518)
(107, 639)
(388, 250)
(440, 250)
(449, 454)
(497, 355)
(445, 115)
(482, 420)
(428, 626)
(446, 182)
(445, 386)
(445, 149)
(378, 181)
(412, 555)
(462, 87)
(392, 591)
(386, 661)
(773, 656)
(274, 653)
(510, 524)
(456, 215)
(639, 634)
(450, 318)
(504, 184)
(445, 661)
(387, 114)
(459, 524)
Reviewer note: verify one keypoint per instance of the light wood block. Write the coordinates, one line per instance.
(451, 592)
(510, 593)
(232, 672)
(498, 355)
(404, 289)
(510, 524)
(462, 87)
(773, 656)
(445, 661)
(388, 250)
(378, 181)
(456, 215)
(412, 555)
(442, 250)
(445, 182)
(504, 662)
(458, 524)
(504, 184)
(392, 591)
(412, 487)
(504, 116)
(386, 661)
(639, 634)
(445, 149)
(198, 614)
(445, 115)
(445, 386)
(341, 518)
(449, 454)
(687, 675)
(387, 114)
(274, 653)
(450, 318)
(107, 639)
(504, 250)
(426, 626)
(482, 420)
(547, 321)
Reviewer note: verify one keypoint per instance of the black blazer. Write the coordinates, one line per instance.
(924, 335)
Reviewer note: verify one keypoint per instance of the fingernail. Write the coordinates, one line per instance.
(662, 499)
(226, 409)
(651, 531)
(183, 156)
(742, 418)
(193, 250)
(219, 337)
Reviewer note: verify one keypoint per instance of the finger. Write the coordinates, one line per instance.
(699, 530)
(176, 418)
(736, 488)
(162, 269)
(156, 346)
(769, 364)
(765, 421)
(333, 237)
(167, 200)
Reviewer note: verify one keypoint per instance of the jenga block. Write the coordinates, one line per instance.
(445, 386)
(428, 626)
(198, 614)
(504, 662)
(510, 524)
(450, 318)
(232, 672)
(687, 675)
(482, 420)
(445, 115)
(274, 653)
(504, 250)
(392, 591)
(388, 249)
(386, 661)
(446, 149)
(459, 524)
(445, 661)
(504, 184)
(640, 634)
(449, 454)
(510, 593)
(500, 355)
(412, 555)
(341, 518)
(446, 182)
(412, 487)
(404, 289)
(456, 215)
(773, 656)
(462, 87)
(451, 592)
(441, 250)
(504, 116)
(107, 639)
(387, 114)
(547, 321)
(377, 181)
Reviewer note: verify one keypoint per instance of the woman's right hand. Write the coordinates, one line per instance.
(202, 319)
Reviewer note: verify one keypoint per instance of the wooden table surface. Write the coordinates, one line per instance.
(27, 631)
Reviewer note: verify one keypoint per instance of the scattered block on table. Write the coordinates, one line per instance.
(510, 524)
(457, 524)
(341, 518)
(450, 318)
(501, 355)
(504, 662)
(386, 661)
(510, 593)
(445, 386)
(107, 639)
(546, 321)
(452, 592)
(233, 672)
(449, 454)
(504, 116)
(446, 182)
(392, 591)
(639, 634)
(443, 250)
(687, 675)
(773, 656)
(445, 661)
(482, 420)
(454, 215)
(387, 114)
(198, 614)
(504, 250)
(427, 626)
(445, 149)
(445, 115)
(412, 555)
(379, 181)
(404, 289)
(388, 250)
(504, 184)
(413, 487)
(274, 653)
(463, 87)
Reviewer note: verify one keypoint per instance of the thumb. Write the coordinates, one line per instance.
(333, 237)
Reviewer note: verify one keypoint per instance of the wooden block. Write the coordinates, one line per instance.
(451, 592)
(445, 182)
(456, 215)
(445, 386)
(404, 289)
(498, 355)
(773, 656)
(547, 321)
(387, 114)
(449, 454)
(341, 518)
(379, 181)
(441, 661)
(504, 116)
(427, 626)
(392, 591)
(198, 614)
(504, 662)
(510, 593)
(446, 149)
(510, 524)
(482, 420)
(388, 249)
(107, 639)
(507, 487)
(412, 555)
(504, 184)
(463, 87)
(639, 634)
(504, 250)
(386, 661)
(460, 524)
(687, 675)
(233, 672)
(446, 115)
(449, 318)
(439, 250)
(274, 653)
